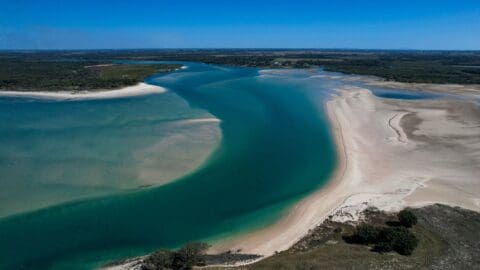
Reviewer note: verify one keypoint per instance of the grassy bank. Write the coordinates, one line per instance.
(447, 239)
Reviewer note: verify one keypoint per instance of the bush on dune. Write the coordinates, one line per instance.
(407, 218)
(185, 258)
(386, 239)
(399, 240)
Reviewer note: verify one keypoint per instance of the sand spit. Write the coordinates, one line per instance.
(392, 154)
(201, 120)
(129, 91)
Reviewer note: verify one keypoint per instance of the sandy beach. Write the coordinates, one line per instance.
(392, 154)
(129, 91)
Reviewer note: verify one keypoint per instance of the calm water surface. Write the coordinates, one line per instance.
(73, 174)
(275, 149)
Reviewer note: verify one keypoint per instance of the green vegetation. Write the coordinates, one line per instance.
(407, 218)
(402, 66)
(409, 69)
(447, 238)
(189, 256)
(365, 234)
(326, 249)
(461, 67)
(36, 75)
(385, 239)
(183, 259)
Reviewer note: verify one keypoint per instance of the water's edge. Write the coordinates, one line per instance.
(259, 166)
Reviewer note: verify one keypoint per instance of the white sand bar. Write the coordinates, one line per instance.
(129, 91)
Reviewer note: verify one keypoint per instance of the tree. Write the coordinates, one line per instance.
(398, 239)
(160, 260)
(407, 218)
(189, 255)
(185, 258)
(385, 239)
(365, 234)
(405, 242)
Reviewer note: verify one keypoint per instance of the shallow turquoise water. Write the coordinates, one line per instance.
(406, 95)
(276, 148)
(52, 152)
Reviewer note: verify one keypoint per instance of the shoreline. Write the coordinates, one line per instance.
(362, 179)
(453, 89)
(284, 233)
(138, 89)
(378, 165)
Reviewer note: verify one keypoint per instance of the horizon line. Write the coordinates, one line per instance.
(246, 49)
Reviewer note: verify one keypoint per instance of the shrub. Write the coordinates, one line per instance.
(160, 260)
(184, 259)
(400, 240)
(407, 218)
(404, 242)
(385, 239)
(365, 234)
(189, 255)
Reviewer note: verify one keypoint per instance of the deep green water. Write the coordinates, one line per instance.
(275, 149)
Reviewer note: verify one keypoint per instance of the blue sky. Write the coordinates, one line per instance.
(373, 24)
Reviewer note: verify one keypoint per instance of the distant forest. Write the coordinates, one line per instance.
(66, 75)
(50, 70)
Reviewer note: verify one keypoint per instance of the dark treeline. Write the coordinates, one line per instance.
(461, 67)
(48, 75)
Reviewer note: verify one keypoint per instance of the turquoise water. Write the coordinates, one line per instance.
(275, 149)
(54, 152)
(406, 95)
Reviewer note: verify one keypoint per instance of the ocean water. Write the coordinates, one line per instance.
(73, 195)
